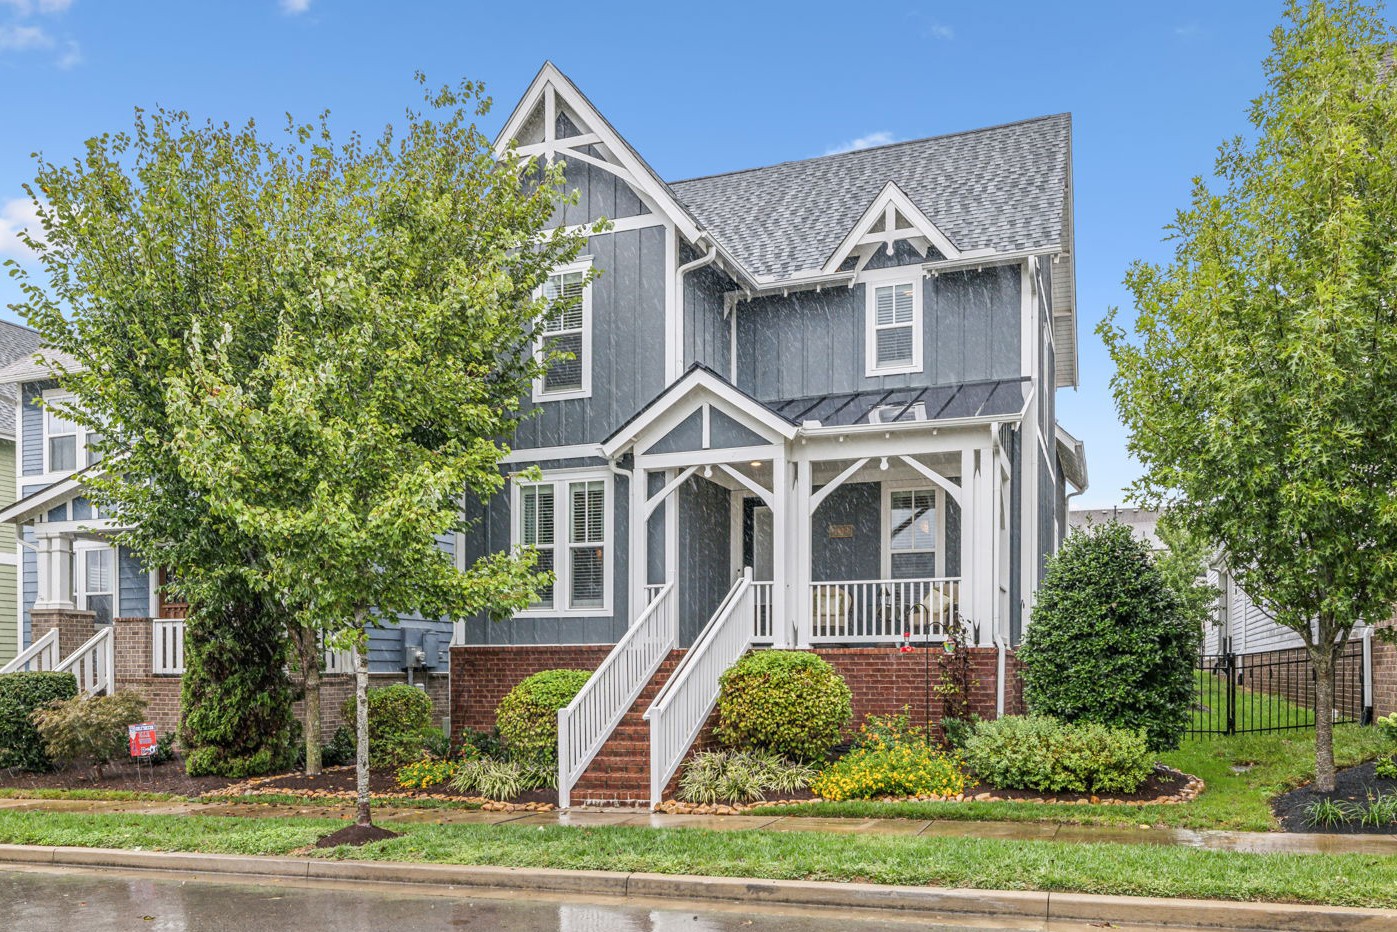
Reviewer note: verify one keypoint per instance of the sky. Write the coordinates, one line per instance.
(1153, 88)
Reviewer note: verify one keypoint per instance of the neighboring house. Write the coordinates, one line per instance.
(1141, 521)
(811, 405)
(16, 342)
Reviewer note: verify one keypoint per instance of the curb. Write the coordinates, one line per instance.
(1213, 914)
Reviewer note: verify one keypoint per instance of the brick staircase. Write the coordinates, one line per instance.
(620, 773)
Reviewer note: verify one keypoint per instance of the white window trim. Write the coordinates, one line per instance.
(57, 396)
(79, 575)
(886, 523)
(562, 565)
(539, 395)
(880, 279)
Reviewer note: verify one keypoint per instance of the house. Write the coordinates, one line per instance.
(809, 406)
(16, 342)
(812, 406)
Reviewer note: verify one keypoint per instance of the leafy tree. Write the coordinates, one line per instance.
(1109, 642)
(148, 232)
(408, 304)
(1182, 563)
(1260, 388)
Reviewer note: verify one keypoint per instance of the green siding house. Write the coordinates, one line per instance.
(15, 342)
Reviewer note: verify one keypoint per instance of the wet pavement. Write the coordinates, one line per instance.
(48, 900)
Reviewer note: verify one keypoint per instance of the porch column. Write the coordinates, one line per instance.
(781, 557)
(978, 573)
(804, 528)
(639, 559)
(55, 565)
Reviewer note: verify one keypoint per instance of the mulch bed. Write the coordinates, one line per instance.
(168, 777)
(354, 835)
(335, 782)
(1163, 782)
(1351, 785)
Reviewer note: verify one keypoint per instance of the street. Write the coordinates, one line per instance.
(50, 900)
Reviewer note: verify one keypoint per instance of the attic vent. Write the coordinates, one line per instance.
(890, 414)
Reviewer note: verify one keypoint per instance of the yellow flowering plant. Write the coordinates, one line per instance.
(909, 769)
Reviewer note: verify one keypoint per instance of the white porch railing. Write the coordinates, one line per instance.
(594, 713)
(41, 655)
(681, 708)
(652, 590)
(339, 661)
(167, 647)
(882, 611)
(92, 663)
(762, 632)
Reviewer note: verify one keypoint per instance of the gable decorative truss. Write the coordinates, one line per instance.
(555, 120)
(891, 217)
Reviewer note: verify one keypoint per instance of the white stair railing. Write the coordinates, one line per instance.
(591, 717)
(92, 664)
(167, 647)
(41, 655)
(679, 711)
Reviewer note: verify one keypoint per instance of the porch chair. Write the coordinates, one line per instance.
(829, 611)
(938, 612)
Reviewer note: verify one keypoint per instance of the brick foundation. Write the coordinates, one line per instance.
(1385, 675)
(74, 627)
(883, 680)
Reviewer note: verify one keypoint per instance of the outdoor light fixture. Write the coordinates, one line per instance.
(756, 464)
(883, 463)
(708, 472)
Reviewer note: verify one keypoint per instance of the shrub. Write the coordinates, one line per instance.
(886, 731)
(740, 777)
(1327, 813)
(481, 743)
(502, 779)
(339, 750)
(957, 731)
(20, 694)
(790, 703)
(400, 724)
(1110, 641)
(1039, 753)
(1386, 768)
(1387, 724)
(89, 728)
(424, 774)
(527, 718)
(899, 770)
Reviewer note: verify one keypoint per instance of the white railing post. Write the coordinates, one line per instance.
(40, 655)
(884, 611)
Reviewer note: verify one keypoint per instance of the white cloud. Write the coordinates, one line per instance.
(941, 31)
(17, 214)
(25, 7)
(294, 7)
(71, 56)
(23, 38)
(880, 138)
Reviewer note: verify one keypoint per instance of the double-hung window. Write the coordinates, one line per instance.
(566, 519)
(96, 581)
(67, 446)
(911, 533)
(894, 326)
(567, 329)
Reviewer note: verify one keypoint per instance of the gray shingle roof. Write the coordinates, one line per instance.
(16, 342)
(1002, 188)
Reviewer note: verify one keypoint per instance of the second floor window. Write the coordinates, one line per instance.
(894, 330)
(66, 445)
(567, 329)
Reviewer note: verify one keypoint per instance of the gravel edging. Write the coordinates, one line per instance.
(998, 903)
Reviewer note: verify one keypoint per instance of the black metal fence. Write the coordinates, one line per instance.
(1274, 691)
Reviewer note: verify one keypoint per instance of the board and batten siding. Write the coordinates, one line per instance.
(812, 342)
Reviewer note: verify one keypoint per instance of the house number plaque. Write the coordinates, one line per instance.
(838, 531)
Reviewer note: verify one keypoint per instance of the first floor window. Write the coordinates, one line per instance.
(573, 548)
(912, 533)
(96, 581)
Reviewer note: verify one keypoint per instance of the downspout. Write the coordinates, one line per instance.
(1001, 643)
(679, 273)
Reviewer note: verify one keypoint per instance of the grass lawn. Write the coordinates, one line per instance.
(291, 799)
(1351, 880)
(1253, 709)
(1236, 800)
(110, 795)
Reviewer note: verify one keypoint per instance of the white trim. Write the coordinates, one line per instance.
(891, 278)
(622, 225)
(63, 489)
(746, 409)
(582, 266)
(81, 548)
(561, 480)
(576, 451)
(80, 434)
(938, 499)
(889, 202)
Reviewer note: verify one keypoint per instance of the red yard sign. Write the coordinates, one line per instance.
(142, 739)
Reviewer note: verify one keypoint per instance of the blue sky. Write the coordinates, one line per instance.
(697, 89)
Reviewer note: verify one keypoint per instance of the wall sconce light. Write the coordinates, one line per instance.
(883, 464)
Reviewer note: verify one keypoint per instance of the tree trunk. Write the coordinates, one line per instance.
(310, 664)
(361, 729)
(1323, 659)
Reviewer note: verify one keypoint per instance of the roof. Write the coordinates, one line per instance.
(36, 503)
(1004, 188)
(1000, 397)
(31, 369)
(16, 343)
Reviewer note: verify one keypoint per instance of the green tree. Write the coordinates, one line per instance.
(408, 305)
(1184, 565)
(147, 232)
(1260, 387)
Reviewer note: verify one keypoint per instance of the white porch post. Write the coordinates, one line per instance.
(969, 528)
(977, 531)
(639, 541)
(55, 565)
(780, 550)
(804, 531)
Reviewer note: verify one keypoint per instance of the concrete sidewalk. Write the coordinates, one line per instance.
(1252, 842)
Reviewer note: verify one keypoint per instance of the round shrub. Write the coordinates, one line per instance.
(1110, 641)
(1039, 753)
(20, 695)
(788, 702)
(400, 724)
(527, 717)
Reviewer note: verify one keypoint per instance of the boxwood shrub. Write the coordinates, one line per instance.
(527, 717)
(788, 702)
(400, 724)
(1110, 641)
(1039, 753)
(20, 695)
